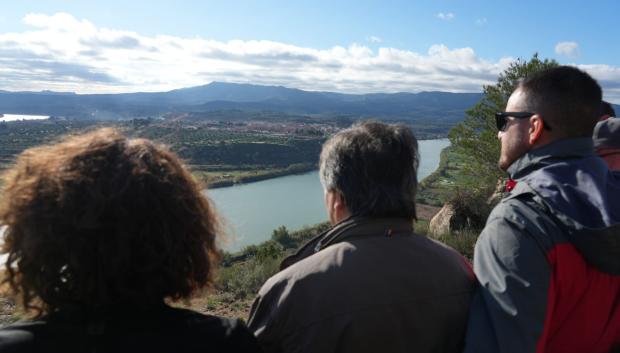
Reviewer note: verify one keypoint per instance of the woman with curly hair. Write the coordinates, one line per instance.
(100, 231)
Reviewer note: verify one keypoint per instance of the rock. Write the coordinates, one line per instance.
(457, 214)
(440, 223)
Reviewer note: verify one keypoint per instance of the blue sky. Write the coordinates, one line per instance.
(346, 46)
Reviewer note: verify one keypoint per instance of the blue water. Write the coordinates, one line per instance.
(252, 211)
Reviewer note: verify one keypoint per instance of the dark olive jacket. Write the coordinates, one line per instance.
(367, 285)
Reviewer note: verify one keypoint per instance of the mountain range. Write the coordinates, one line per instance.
(218, 96)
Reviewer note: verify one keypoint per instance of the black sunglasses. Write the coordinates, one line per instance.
(501, 119)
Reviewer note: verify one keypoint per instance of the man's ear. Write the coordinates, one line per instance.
(336, 207)
(339, 205)
(537, 125)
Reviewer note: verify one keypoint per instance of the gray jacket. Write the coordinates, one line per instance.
(367, 285)
(548, 260)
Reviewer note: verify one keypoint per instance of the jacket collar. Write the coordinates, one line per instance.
(572, 148)
(571, 181)
(352, 227)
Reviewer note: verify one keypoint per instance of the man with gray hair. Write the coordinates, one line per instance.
(369, 284)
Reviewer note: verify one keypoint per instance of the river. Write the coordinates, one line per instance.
(252, 211)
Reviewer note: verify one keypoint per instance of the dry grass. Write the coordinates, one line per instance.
(221, 304)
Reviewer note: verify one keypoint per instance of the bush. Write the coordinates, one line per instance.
(244, 279)
(462, 241)
(282, 236)
(308, 232)
(269, 250)
(243, 273)
(421, 227)
(471, 209)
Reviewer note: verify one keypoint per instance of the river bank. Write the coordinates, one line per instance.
(251, 211)
(226, 178)
(216, 177)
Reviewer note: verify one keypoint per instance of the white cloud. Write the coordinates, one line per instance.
(374, 39)
(61, 52)
(445, 16)
(568, 49)
(481, 21)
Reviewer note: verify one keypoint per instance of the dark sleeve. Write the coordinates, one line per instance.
(508, 311)
(16, 340)
(241, 339)
(267, 317)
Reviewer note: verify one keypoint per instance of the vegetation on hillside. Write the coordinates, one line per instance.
(221, 152)
(243, 273)
(439, 187)
(220, 155)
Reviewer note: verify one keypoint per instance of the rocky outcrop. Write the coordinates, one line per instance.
(440, 223)
(447, 220)
(463, 211)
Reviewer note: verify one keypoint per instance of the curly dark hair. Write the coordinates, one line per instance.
(99, 220)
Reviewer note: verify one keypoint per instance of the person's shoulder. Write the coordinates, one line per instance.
(216, 325)
(522, 209)
(320, 262)
(518, 220)
(229, 333)
(20, 336)
(444, 260)
(512, 205)
(314, 274)
(428, 244)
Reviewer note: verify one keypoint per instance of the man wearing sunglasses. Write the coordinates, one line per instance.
(548, 259)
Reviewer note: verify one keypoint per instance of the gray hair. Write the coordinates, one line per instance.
(374, 167)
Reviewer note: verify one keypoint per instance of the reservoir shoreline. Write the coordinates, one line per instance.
(211, 185)
(252, 211)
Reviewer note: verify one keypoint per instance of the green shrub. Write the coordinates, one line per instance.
(281, 236)
(462, 241)
(244, 279)
(269, 250)
(421, 226)
(471, 210)
(306, 233)
(243, 273)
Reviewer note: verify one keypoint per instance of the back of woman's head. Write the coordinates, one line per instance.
(100, 220)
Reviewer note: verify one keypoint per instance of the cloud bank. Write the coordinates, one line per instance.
(63, 53)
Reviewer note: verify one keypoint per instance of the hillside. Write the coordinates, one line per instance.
(218, 96)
